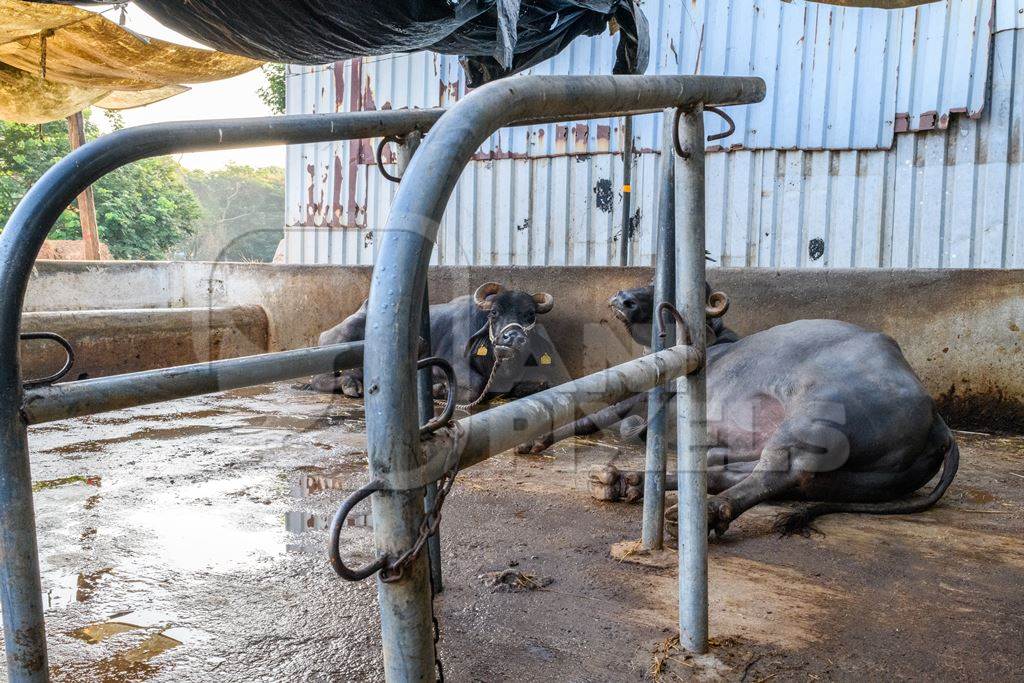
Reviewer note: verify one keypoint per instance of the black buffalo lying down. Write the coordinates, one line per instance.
(488, 337)
(815, 410)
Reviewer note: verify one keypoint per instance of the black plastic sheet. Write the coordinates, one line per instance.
(495, 38)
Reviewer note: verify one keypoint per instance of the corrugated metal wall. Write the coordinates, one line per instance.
(820, 174)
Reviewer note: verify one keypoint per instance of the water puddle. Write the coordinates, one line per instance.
(67, 589)
(249, 392)
(303, 522)
(131, 662)
(306, 485)
(302, 423)
(97, 633)
(151, 433)
(154, 417)
(153, 645)
(190, 539)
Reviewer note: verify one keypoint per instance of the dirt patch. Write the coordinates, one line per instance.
(990, 411)
(220, 529)
(760, 602)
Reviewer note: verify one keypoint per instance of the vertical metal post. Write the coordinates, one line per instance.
(20, 589)
(424, 381)
(425, 397)
(660, 399)
(627, 188)
(406, 612)
(691, 408)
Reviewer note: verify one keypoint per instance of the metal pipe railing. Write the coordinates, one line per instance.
(425, 388)
(661, 398)
(393, 316)
(399, 278)
(103, 394)
(23, 236)
(478, 437)
(691, 391)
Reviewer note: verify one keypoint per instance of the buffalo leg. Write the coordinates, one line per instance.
(720, 477)
(590, 424)
(610, 484)
(348, 383)
(774, 475)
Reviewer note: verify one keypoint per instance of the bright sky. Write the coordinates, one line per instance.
(233, 97)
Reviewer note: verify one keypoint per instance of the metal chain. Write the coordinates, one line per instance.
(395, 569)
(392, 571)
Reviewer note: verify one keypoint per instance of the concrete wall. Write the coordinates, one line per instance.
(961, 330)
(111, 342)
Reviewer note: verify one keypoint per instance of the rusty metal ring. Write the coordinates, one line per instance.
(666, 306)
(728, 121)
(69, 361)
(675, 135)
(449, 402)
(384, 141)
(334, 552)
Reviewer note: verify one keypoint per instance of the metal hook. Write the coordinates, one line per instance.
(728, 121)
(52, 336)
(384, 141)
(449, 403)
(666, 306)
(711, 138)
(334, 552)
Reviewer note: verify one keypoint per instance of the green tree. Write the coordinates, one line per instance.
(242, 214)
(25, 154)
(272, 92)
(145, 208)
(142, 209)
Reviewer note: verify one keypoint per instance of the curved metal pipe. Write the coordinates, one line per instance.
(23, 236)
(400, 275)
(65, 368)
(400, 272)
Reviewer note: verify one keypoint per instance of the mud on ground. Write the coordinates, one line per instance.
(186, 542)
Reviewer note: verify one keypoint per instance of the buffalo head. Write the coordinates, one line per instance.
(635, 308)
(511, 314)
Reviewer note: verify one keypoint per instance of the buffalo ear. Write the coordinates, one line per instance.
(474, 338)
(545, 302)
(482, 292)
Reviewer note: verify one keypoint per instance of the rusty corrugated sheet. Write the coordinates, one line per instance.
(551, 194)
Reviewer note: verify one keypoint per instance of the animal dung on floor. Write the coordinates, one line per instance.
(514, 581)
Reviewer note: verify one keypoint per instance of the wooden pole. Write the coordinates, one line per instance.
(86, 204)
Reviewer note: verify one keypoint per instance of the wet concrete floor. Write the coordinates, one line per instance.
(186, 542)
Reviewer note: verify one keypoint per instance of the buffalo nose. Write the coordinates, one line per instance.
(512, 338)
(623, 300)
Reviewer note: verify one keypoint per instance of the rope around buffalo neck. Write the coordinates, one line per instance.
(494, 368)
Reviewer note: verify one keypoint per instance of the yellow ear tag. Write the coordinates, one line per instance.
(545, 359)
(481, 350)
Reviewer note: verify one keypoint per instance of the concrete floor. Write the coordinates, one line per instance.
(186, 542)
